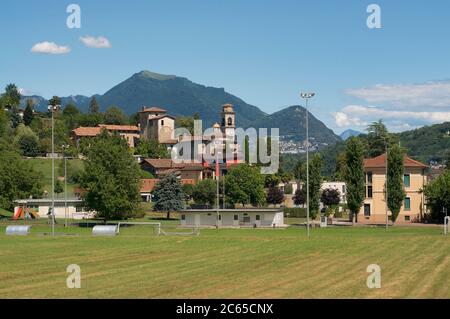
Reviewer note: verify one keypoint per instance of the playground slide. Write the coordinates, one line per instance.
(34, 215)
(18, 214)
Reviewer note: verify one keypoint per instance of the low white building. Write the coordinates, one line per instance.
(41, 207)
(340, 186)
(244, 217)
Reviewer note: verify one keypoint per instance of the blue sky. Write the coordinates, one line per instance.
(265, 52)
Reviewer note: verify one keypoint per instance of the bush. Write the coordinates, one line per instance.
(298, 212)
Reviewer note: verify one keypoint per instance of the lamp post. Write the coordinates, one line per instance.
(387, 206)
(52, 109)
(65, 147)
(306, 97)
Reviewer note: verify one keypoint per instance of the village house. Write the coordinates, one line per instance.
(148, 185)
(233, 218)
(339, 186)
(129, 132)
(155, 123)
(373, 209)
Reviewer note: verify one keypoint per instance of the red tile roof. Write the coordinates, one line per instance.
(133, 128)
(148, 184)
(152, 109)
(87, 131)
(380, 162)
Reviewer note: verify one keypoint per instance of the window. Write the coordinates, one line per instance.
(236, 217)
(369, 177)
(407, 180)
(369, 192)
(183, 217)
(407, 218)
(220, 217)
(79, 209)
(162, 122)
(367, 210)
(230, 121)
(258, 217)
(343, 189)
(407, 203)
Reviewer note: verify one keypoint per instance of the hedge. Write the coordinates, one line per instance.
(295, 212)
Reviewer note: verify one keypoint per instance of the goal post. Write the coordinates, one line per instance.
(446, 221)
(155, 226)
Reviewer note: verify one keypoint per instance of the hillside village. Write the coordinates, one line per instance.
(153, 142)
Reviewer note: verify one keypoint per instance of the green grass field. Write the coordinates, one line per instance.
(239, 263)
(45, 167)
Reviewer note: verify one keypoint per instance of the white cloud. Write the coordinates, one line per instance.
(49, 48)
(359, 115)
(374, 113)
(434, 95)
(97, 43)
(342, 120)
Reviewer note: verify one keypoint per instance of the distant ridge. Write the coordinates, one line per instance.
(182, 97)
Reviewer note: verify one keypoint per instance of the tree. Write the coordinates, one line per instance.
(274, 196)
(437, 194)
(188, 190)
(315, 182)
(447, 166)
(71, 116)
(28, 114)
(90, 119)
(27, 141)
(205, 192)
(114, 115)
(151, 148)
(330, 197)
(354, 175)
(16, 119)
(299, 197)
(300, 173)
(3, 121)
(396, 193)
(186, 122)
(29, 145)
(111, 178)
(11, 97)
(58, 187)
(377, 138)
(93, 105)
(245, 185)
(339, 172)
(55, 100)
(18, 179)
(168, 195)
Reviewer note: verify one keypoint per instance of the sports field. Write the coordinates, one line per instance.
(240, 263)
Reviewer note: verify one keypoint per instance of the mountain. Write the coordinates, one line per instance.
(349, 133)
(291, 122)
(428, 143)
(40, 103)
(181, 96)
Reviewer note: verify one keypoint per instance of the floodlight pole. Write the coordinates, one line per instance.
(217, 184)
(65, 147)
(387, 206)
(52, 108)
(306, 97)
